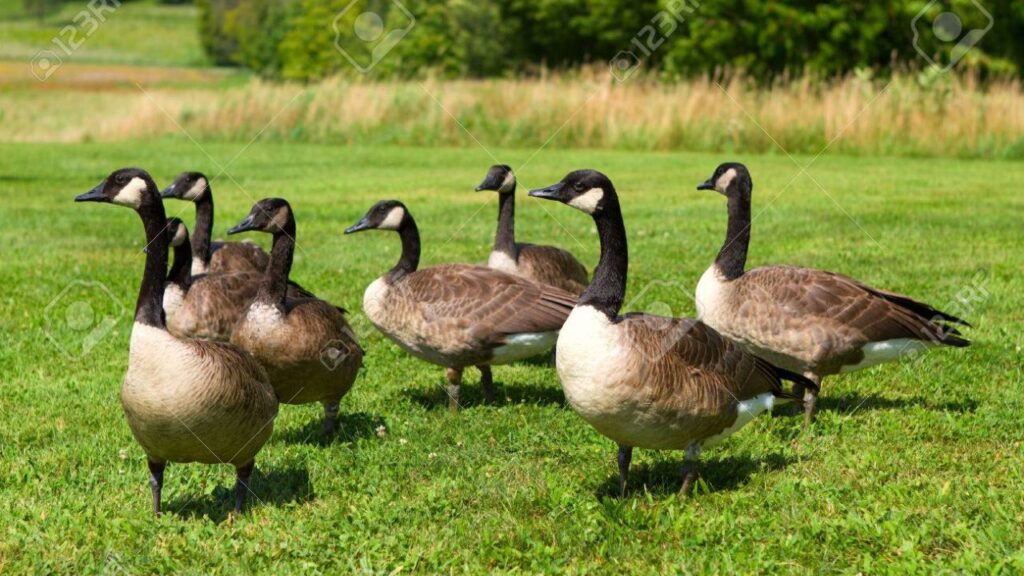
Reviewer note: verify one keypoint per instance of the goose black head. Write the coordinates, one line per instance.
(190, 186)
(271, 215)
(127, 187)
(729, 178)
(177, 230)
(499, 179)
(384, 215)
(587, 190)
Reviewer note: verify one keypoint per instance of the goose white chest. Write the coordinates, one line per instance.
(590, 365)
(502, 261)
(712, 291)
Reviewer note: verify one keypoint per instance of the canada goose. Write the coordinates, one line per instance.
(210, 305)
(185, 400)
(649, 381)
(307, 347)
(812, 322)
(457, 315)
(207, 256)
(544, 264)
(180, 276)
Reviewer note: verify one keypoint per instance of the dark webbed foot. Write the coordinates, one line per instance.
(487, 384)
(242, 475)
(690, 469)
(454, 388)
(625, 457)
(156, 483)
(811, 400)
(330, 418)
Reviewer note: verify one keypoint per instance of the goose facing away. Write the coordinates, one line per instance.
(545, 264)
(185, 400)
(457, 315)
(307, 347)
(207, 256)
(649, 381)
(811, 322)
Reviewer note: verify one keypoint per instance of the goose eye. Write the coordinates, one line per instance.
(121, 179)
(578, 186)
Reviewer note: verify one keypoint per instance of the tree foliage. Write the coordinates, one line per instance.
(310, 39)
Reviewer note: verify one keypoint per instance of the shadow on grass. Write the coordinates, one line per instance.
(271, 488)
(472, 396)
(351, 427)
(664, 478)
(851, 402)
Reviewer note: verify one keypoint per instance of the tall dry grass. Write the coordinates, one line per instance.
(908, 115)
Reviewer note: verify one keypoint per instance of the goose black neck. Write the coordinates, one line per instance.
(203, 228)
(608, 288)
(733, 255)
(410, 259)
(275, 279)
(149, 306)
(181, 267)
(505, 238)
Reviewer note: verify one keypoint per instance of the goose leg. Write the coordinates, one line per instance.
(156, 483)
(330, 418)
(454, 388)
(487, 383)
(811, 400)
(242, 474)
(625, 457)
(690, 469)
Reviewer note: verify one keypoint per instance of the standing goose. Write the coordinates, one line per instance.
(649, 381)
(207, 256)
(457, 315)
(185, 400)
(544, 264)
(307, 347)
(812, 322)
(180, 276)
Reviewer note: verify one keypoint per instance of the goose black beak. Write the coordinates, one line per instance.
(94, 195)
(243, 226)
(481, 187)
(363, 224)
(168, 192)
(553, 192)
(489, 183)
(707, 185)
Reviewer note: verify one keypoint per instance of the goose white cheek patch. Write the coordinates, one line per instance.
(508, 183)
(588, 201)
(197, 190)
(393, 220)
(131, 194)
(725, 179)
(179, 236)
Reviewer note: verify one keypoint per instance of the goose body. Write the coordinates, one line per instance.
(543, 264)
(649, 381)
(457, 315)
(184, 400)
(213, 256)
(308, 348)
(809, 321)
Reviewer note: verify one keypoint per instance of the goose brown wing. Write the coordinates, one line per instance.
(230, 257)
(840, 305)
(552, 266)
(688, 360)
(490, 304)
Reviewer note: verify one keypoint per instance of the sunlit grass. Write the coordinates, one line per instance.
(910, 468)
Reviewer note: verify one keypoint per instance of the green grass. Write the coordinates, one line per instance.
(910, 468)
(139, 32)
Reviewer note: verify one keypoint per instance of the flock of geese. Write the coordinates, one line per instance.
(224, 336)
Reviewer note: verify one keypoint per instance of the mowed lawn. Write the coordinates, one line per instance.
(910, 468)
